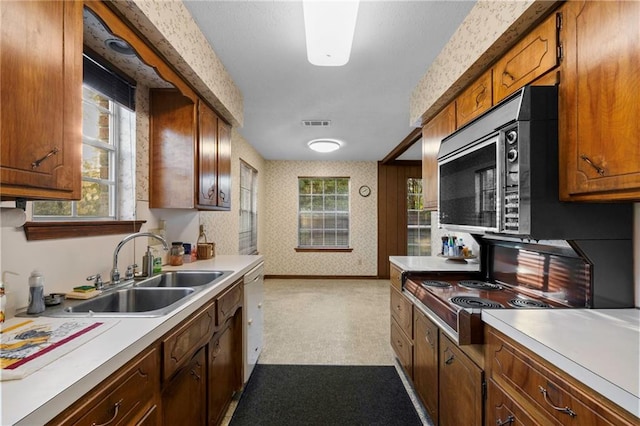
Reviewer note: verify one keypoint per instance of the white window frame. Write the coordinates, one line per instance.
(250, 212)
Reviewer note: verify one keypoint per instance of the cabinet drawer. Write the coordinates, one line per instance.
(402, 312)
(502, 410)
(126, 398)
(475, 100)
(228, 302)
(395, 275)
(402, 347)
(526, 378)
(530, 58)
(179, 346)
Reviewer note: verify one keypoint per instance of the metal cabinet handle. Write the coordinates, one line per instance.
(223, 195)
(480, 97)
(211, 192)
(449, 360)
(508, 75)
(429, 339)
(587, 160)
(195, 375)
(39, 161)
(507, 421)
(565, 410)
(115, 414)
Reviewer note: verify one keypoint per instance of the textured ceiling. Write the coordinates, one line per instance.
(261, 44)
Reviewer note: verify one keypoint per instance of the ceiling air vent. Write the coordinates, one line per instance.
(316, 123)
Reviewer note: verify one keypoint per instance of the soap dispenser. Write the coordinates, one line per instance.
(147, 263)
(36, 293)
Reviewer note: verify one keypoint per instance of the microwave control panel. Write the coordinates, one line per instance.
(511, 201)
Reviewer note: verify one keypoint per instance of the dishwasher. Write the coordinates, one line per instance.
(253, 318)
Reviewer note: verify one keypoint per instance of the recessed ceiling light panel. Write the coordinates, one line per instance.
(329, 28)
(324, 145)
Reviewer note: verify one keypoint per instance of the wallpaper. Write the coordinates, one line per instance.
(485, 34)
(170, 28)
(282, 209)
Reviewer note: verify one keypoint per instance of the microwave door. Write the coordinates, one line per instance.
(468, 188)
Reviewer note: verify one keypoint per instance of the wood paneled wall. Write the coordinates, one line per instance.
(392, 210)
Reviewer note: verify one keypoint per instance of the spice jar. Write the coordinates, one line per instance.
(176, 253)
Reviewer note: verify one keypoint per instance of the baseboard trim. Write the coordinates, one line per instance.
(323, 277)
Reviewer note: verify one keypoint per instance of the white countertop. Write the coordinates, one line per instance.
(599, 347)
(433, 264)
(42, 395)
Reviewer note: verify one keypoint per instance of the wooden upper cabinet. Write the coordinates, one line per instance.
(172, 150)
(476, 99)
(441, 126)
(190, 154)
(224, 165)
(207, 156)
(41, 98)
(599, 108)
(531, 57)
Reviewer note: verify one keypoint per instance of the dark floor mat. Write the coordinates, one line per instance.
(324, 395)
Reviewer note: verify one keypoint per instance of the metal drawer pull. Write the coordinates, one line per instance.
(587, 160)
(509, 420)
(565, 410)
(37, 163)
(195, 375)
(117, 407)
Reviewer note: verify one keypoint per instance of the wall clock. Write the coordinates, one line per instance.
(365, 191)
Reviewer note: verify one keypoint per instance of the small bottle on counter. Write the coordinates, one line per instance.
(36, 293)
(176, 254)
(187, 253)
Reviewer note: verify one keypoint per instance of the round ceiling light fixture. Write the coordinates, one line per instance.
(324, 145)
(120, 46)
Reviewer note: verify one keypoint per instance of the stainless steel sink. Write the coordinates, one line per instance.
(153, 297)
(183, 279)
(131, 301)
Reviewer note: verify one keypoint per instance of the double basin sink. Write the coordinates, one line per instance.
(155, 296)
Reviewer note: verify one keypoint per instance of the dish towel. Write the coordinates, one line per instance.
(28, 345)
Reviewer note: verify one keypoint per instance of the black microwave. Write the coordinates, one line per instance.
(499, 174)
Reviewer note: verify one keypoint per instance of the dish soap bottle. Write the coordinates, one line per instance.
(36, 293)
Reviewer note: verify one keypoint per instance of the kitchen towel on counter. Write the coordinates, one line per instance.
(28, 345)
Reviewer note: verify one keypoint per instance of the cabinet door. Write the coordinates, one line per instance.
(476, 99)
(531, 57)
(502, 410)
(41, 98)
(207, 156)
(433, 132)
(225, 368)
(425, 363)
(224, 165)
(172, 150)
(184, 398)
(599, 108)
(460, 391)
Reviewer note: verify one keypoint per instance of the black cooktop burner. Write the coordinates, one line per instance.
(479, 285)
(528, 303)
(474, 302)
(433, 283)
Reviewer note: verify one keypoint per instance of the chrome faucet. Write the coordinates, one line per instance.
(115, 274)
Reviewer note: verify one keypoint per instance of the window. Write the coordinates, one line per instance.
(108, 153)
(418, 221)
(323, 213)
(248, 209)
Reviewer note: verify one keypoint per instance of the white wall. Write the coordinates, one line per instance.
(282, 222)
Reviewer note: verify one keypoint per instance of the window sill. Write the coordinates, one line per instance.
(58, 230)
(324, 249)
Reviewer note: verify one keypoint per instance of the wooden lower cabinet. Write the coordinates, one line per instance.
(129, 396)
(425, 363)
(224, 370)
(536, 392)
(460, 387)
(184, 398)
(402, 329)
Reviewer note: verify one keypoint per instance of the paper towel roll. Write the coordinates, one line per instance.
(11, 217)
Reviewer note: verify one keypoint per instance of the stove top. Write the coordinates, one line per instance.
(459, 298)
